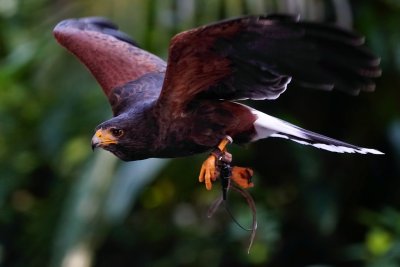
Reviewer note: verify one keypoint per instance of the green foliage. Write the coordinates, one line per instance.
(62, 205)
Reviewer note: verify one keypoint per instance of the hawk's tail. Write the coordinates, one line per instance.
(268, 126)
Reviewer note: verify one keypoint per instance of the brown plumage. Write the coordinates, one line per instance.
(185, 107)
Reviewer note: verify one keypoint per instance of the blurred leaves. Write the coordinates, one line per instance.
(381, 245)
(61, 205)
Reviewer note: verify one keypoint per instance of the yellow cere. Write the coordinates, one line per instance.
(106, 137)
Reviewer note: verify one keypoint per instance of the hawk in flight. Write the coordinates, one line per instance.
(187, 105)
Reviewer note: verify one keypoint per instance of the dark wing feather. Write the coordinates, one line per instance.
(256, 57)
(112, 56)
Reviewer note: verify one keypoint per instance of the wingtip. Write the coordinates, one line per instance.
(64, 24)
(372, 151)
(81, 23)
(101, 25)
(63, 27)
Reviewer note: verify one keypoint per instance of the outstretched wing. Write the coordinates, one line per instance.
(256, 57)
(113, 58)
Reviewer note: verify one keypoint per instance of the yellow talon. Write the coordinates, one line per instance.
(242, 177)
(208, 172)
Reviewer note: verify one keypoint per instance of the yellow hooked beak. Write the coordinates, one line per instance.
(103, 138)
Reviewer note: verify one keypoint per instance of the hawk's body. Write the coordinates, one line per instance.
(186, 106)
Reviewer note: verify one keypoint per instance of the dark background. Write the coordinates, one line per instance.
(62, 205)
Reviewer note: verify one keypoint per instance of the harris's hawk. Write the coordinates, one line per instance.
(186, 106)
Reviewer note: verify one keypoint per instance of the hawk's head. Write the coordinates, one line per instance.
(124, 136)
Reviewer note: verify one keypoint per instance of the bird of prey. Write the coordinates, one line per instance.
(188, 105)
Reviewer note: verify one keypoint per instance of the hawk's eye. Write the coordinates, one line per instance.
(116, 132)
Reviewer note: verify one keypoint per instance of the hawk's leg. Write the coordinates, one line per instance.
(209, 172)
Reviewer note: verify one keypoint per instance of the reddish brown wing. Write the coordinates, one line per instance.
(112, 57)
(256, 57)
